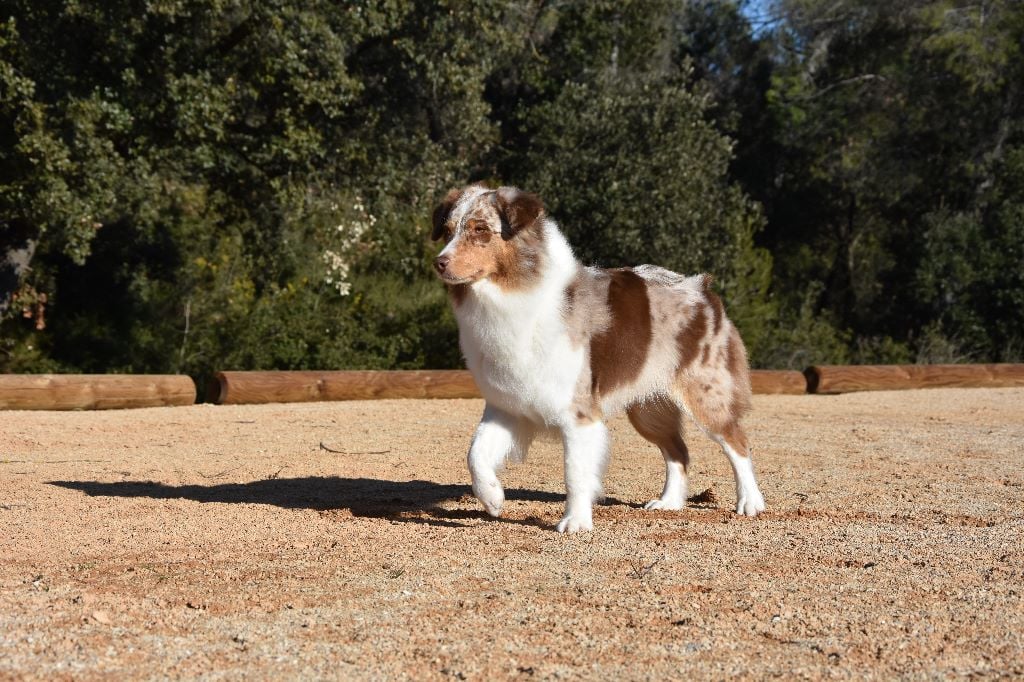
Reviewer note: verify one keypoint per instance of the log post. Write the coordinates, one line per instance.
(94, 391)
(830, 379)
(235, 388)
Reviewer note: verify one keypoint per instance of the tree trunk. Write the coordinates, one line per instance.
(17, 246)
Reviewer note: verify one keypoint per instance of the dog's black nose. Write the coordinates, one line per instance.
(441, 262)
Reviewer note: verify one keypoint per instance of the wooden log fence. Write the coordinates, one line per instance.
(235, 388)
(94, 391)
(111, 391)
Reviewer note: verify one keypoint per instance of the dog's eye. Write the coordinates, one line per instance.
(480, 229)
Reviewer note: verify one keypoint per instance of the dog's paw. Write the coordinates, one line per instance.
(750, 502)
(491, 496)
(574, 524)
(665, 504)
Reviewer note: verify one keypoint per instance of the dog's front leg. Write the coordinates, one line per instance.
(586, 455)
(498, 437)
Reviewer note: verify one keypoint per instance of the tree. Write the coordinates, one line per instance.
(607, 123)
(882, 119)
(184, 167)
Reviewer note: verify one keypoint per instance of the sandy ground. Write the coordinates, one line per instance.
(222, 542)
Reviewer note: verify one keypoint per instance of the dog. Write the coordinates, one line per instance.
(554, 345)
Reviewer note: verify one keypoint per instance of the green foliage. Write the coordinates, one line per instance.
(880, 154)
(635, 174)
(634, 170)
(188, 168)
(205, 184)
(803, 337)
(614, 134)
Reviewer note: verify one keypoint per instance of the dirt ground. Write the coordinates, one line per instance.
(226, 541)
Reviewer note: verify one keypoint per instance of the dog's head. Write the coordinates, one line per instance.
(489, 234)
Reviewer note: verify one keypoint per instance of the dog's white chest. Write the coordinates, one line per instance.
(520, 354)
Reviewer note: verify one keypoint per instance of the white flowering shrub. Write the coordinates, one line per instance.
(345, 238)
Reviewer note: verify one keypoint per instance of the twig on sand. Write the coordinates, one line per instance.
(639, 570)
(346, 452)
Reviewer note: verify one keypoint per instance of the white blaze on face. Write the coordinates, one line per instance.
(449, 248)
(460, 211)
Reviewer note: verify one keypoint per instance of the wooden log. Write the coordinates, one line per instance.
(845, 379)
(94, 391)
(237, 388)
(771, 381)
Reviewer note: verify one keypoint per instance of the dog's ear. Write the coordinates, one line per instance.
(519, 210)
(442, 212)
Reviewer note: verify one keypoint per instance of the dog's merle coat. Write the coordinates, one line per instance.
(556, 345)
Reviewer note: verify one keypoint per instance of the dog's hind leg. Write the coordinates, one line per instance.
(720, 420)
(661, 422)
(499, 437)
(733, 441)
(586, 456)
(717, 395)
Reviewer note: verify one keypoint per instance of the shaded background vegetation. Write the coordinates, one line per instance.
(196, 185)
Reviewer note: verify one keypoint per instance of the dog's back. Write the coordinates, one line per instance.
(653, 333)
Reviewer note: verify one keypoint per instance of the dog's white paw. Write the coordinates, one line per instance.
(574, 524)
(491, 496)
(665, 504)
(750, 502)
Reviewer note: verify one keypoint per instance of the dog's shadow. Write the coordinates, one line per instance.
(403, 501)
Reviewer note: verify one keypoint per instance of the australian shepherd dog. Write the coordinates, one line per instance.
(554, 345)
